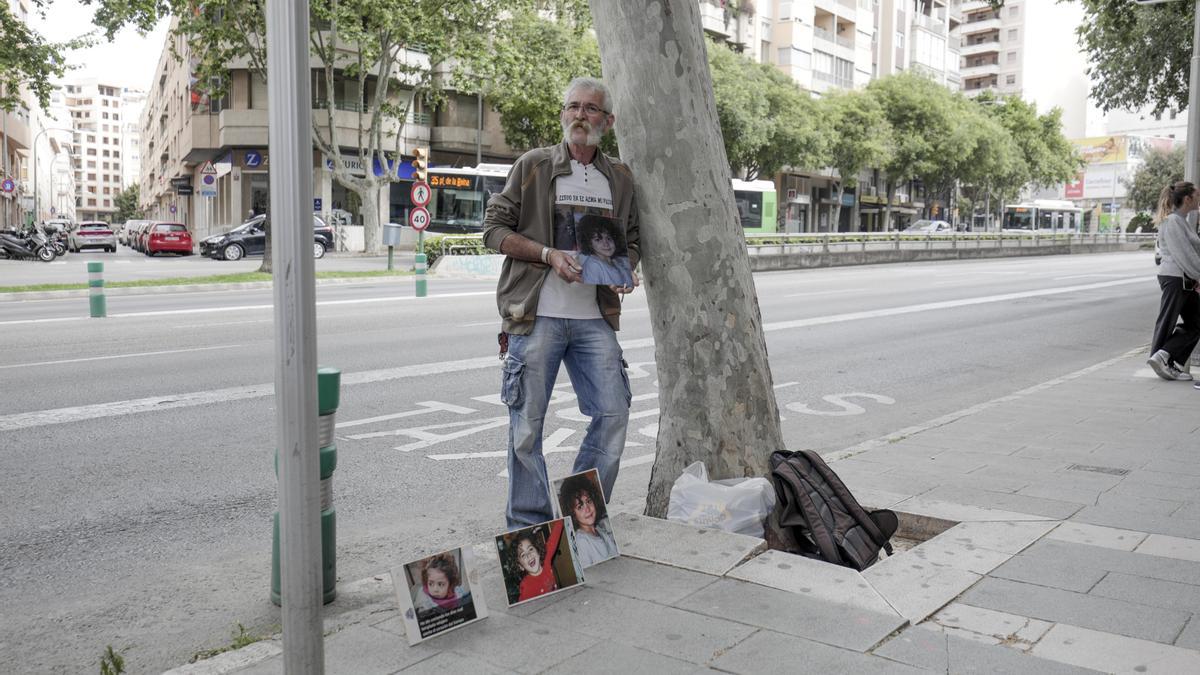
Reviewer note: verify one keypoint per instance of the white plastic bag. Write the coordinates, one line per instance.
(736, 505)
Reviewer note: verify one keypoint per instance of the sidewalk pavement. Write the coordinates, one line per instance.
(1065, 523)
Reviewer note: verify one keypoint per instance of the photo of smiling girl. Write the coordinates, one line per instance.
(539, 560)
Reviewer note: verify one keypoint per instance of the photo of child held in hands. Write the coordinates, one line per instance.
(539, 560)
(603, 253)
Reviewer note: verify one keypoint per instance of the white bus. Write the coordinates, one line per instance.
(460, 198)
(1043, 215)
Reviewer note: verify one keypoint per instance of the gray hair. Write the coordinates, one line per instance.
(590, 84)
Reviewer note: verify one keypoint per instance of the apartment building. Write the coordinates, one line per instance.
(921, 36)
(182, 130)
(1027, 48)
(99, 114)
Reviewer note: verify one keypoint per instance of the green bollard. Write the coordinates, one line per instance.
(99, 306)
(328, 393)
(419, 268)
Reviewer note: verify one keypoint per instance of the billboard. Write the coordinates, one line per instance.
(1102, 149)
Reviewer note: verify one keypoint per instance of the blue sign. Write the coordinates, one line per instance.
(9, 185)
(316, 204)
(253, 159)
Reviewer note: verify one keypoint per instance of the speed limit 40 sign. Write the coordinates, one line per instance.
(418, 217)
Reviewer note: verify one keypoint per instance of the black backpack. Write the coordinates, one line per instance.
(819, 518)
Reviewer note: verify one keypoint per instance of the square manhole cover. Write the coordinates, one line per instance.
(1098, 469)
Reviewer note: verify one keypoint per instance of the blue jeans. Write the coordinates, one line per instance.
(593, 358)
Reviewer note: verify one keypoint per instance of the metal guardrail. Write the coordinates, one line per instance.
(759, 244)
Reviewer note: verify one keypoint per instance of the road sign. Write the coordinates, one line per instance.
(208, 186)
(9, 185)
(174, 209)
(316, 204)
(418, 217)
(208, 169)
(254, 159)
(420, 193)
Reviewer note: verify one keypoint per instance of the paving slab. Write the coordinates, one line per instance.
(1170, 547)
(662, 541)
(1098, 535)
(812, 578)
(917, 588)
(1156, 592)
(367, 651)
(1176, 480)
(942, 552)
(614, 658)
(673, 632)
(933, 649)
(1004, 536)
(1145, 522)
(450, 662)
(1050, 572)
(1058, 510)
(1114, 653)
(1139, 504)
(770, 652)
(1089, 611)
(878, 499)
(794, 614)
(646, 581)
(1190, 637)
(937, 508)
(516, 644)
(1020, 632)
(258, 655)
(1111, 560)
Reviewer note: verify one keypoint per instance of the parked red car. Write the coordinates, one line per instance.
(168, 238)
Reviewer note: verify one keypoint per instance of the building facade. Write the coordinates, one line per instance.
(100, 114)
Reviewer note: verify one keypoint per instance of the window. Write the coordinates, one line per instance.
(91, 176)
(107, 202)
(91, 202)
(1012, 57)
(1012, 33)
(1010, 79)
(106, 165)
(91, 164)
(91, 151)
(91, 138)
(1013, 11)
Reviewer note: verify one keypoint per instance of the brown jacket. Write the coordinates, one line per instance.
(526, 207)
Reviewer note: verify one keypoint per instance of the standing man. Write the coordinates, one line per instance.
(551, 316)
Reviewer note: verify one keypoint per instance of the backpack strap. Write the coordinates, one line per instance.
(856, 510)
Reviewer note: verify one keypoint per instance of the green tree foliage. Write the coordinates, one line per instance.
(127, 204)
(859, 137)
(1138, 55)
(1159, 170)
(530, 62)
(766, 120)
(28, 62)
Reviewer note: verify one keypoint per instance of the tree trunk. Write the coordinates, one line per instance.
(837, 208)
(265, 267)
(887, 209)
(715, 396)
(372, 230)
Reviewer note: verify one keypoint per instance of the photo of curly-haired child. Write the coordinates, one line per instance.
(580, 497)
(435, 594)
(539, 560)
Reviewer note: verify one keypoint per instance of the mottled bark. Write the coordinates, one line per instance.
(715, 396)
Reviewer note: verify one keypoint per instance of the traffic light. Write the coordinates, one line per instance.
(420, 165)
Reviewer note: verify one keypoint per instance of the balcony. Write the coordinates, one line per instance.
(987, 47)
(929, 23)
(980, 70)
(830, 78)
(982, 26)
(712, 20)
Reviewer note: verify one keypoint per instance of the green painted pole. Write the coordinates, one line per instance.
(99, 306)
(391, 250)
(328, 396)
(419, 265)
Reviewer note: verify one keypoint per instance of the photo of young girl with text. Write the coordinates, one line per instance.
(435, 595)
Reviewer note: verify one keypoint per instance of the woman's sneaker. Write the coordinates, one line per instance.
(1160, 363)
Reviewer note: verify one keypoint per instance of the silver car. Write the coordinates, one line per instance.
(127, 231)
(92, 234)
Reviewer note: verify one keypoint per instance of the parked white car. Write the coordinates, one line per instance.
(928, 226)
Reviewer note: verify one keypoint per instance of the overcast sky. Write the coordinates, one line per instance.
(129, 60)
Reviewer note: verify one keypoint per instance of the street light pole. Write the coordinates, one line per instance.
(37, 205)
(1190, 170)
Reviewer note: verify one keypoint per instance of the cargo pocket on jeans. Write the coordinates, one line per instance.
(625, 381)
(511, 393)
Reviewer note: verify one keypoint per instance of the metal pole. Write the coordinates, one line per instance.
(479, 130)
(4, 115)
(1191, 171)
(290, 142)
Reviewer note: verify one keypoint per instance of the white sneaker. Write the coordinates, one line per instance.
(1160, 363)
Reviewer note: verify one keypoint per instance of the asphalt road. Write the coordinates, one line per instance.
(135, 451)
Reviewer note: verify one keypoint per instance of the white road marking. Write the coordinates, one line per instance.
(810, 294)
(242, 308)
(78, 413)
(117, 356)
(425, 408)
(551, 444)
(845, 407)
(223, 323)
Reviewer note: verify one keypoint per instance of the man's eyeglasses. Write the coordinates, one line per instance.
(589, 108)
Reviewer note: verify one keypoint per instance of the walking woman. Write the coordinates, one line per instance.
(1179, 246)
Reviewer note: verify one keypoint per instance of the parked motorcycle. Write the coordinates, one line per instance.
(32, 245)
(57, 239)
